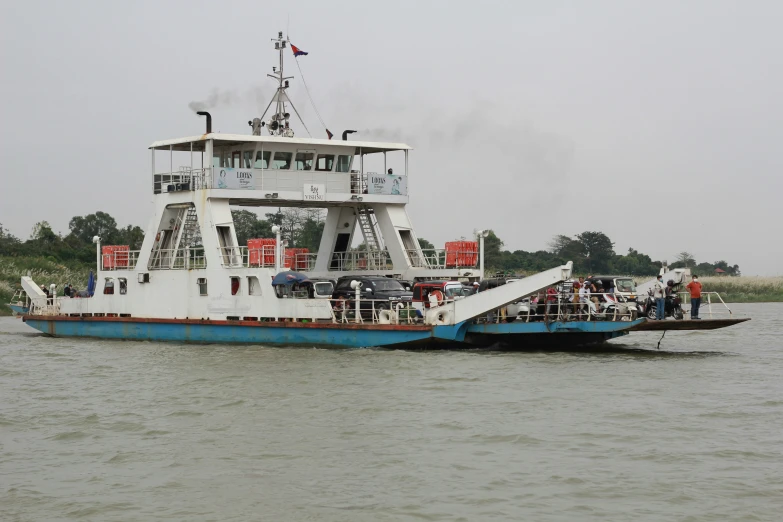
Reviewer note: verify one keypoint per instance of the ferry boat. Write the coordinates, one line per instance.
(192, 282)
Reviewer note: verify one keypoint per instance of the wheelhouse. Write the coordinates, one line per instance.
(270, 170)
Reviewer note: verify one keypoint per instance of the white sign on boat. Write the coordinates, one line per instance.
(387, 184)
(228, 178)
(312, 192)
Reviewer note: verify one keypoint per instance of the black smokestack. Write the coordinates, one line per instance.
(346, 133)
(209, 120)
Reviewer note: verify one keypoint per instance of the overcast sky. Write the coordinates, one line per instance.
(657, 123)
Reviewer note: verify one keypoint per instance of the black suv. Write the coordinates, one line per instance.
(384, 290)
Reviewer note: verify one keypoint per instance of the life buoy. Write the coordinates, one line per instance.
(385, 317)
(438, 295)
(442, 317)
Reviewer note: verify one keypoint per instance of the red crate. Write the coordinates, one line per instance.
(461, 253)
(115, 256)
(296, 258)
(261, 252)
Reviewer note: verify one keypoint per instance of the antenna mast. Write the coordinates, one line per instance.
(278, 124)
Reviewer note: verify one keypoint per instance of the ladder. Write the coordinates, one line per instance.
(190, 235)
(369, 227)
(191, 231)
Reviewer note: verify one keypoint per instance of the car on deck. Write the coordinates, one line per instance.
(435, 293)
(378, 292)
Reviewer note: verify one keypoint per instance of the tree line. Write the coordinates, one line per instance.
(299, 227)
(77, 244)
(591, 252)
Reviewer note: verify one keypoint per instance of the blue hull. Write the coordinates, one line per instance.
(507, 336)
(290, 334)
(537, 335)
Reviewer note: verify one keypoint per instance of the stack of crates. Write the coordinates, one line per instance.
(294, 260)
(261, 252)
(115, 256)
(461, 253)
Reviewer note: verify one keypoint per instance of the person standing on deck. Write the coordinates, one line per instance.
(584, 296)
(695, 289)
(576, 289)
(659, 293)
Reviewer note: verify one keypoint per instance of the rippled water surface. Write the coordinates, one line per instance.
(127, 431)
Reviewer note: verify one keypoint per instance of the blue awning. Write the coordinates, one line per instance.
(289, 278)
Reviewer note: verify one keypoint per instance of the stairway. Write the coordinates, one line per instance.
(369, 226)
(191, 231)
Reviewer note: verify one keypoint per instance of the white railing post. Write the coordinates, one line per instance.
(276, 230)
(358, 287)
(481, 235)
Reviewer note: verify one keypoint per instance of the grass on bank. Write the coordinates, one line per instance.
(43, 271)
(745, 289)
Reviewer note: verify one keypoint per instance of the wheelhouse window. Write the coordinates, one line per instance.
(344, 163)
(304, 160)
(247, 162)
(262, 159)
(202, 285)
(108, 286)
(325, 162)
(123, 285)
(234, 285)
(282, 160)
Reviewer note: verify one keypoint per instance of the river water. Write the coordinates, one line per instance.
(131, 431)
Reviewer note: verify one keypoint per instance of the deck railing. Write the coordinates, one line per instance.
(354, 260)
(360, 260)
(120, 260)
(180, 259)
(563, 308)
(441, 258)
(242, 256)
(721, 308)
(182, 180)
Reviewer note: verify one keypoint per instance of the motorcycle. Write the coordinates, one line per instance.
(673, 307)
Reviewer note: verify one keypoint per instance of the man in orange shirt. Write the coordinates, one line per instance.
(695, 288)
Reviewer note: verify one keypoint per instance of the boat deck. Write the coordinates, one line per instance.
(688, 324)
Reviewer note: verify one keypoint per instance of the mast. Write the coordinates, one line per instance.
(278, 124)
